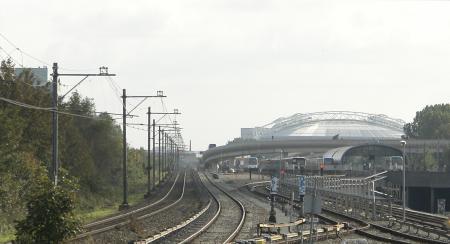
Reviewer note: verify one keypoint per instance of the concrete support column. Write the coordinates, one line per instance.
(432, 201)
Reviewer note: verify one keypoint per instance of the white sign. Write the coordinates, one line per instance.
(301, 185)
(274, 185)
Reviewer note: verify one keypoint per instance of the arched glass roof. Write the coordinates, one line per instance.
(334, 124)
(341, 155)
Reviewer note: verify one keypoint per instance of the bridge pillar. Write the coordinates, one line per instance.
(432, 202)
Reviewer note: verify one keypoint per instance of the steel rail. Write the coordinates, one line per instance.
(210, 222)
(185, 223)
(168, 206)
(169, 230)
(241, 206)
(380, 228)
(124, 215)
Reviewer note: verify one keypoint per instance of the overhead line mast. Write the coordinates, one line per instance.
(55, 76)
(124, 141)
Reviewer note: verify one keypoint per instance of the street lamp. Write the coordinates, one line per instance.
(403, 143)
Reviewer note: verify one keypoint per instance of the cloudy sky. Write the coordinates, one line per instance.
(228, 64)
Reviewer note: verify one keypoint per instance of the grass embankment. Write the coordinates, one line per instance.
(105, 210)
(88, 214)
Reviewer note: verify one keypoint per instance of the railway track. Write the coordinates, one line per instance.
(377, 231)
(423, 219)
(219, 222)
(230, 220)
(361, 227)
(173, 196)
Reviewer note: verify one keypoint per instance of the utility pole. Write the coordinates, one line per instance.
(149, 126)
(154, 156)
(159, 155)
(55, 124)
(55, 162)
(124, 163)
(172, 154)
(124, 151)
(165, 155)
(169, 154)
(163, 138)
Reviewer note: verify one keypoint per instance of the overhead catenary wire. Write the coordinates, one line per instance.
(9, 56)
(21, 81)
(50, 109)
(114, 89)
(63, 112)
(17, 48)
(113, 85)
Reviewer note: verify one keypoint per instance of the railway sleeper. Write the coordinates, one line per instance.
(437, 233)
(392, 222)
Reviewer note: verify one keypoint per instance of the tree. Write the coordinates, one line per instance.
(446, 159)
(433, 122)
(430, 162)
(50, 217)
(90, 150)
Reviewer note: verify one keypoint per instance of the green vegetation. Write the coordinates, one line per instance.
(90, 150)
(433, 122)
(50, 213)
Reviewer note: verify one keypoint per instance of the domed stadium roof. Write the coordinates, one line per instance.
(333, 124)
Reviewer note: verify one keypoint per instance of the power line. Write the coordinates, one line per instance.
(10, 42)
(49, 109)
(9, 56)
(33, 57)
(17, 103)
(63, 112)
(115, 88)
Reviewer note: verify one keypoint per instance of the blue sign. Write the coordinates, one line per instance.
(301, 185)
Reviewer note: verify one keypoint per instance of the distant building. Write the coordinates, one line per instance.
(247, 133)
(253, 133)
(333, 125)
(40, 75)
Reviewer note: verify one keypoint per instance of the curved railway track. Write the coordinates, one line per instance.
(228, 221)
(173, 196)
(432, 221)
(219, 222)
(379, 232)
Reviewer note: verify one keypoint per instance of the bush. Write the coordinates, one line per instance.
(50, 217)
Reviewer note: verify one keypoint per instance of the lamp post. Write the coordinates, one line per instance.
(403, 143)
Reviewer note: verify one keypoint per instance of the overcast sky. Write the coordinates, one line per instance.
(228, 64)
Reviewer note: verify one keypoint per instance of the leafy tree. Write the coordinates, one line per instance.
(90, 151)
(446, 159)
(430, 162)
(137, 159)
(50, 217)
(433, 122)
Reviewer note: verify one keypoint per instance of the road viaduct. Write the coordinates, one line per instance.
(309, 145)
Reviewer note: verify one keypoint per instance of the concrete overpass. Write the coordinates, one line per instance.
(308, 145)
